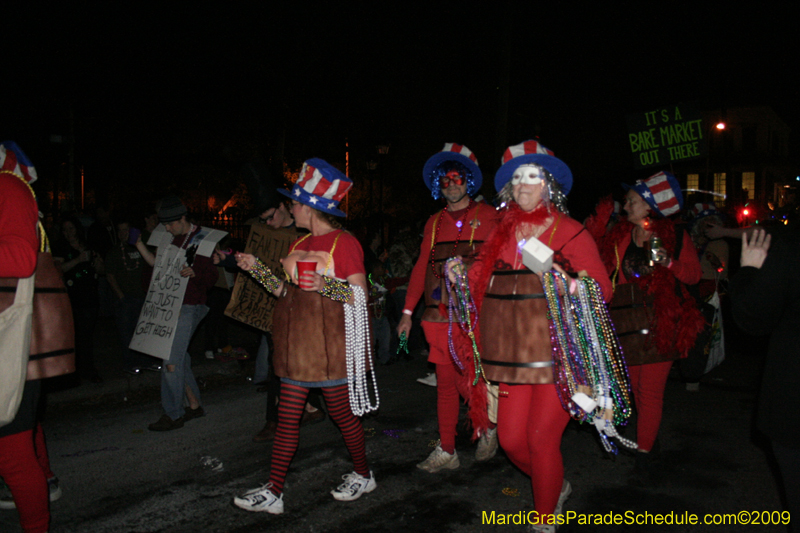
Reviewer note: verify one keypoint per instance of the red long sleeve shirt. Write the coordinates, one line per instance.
(19, 241)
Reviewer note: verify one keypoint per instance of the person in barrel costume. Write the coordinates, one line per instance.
(316, 344)
(651, 259)
(458, 229)
(513, 322)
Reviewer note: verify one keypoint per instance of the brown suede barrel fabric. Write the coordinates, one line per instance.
(514, 329)
(309, 337)
(633, 316)
(443, 251)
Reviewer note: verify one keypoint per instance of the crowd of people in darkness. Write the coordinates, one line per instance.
(346, 298)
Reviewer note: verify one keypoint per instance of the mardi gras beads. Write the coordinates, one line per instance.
(403, 343)
(462, 310)
(338, 291)
(357, 351)
(591, 377)
(263, 275)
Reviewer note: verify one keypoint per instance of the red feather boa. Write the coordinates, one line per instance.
(678, 320)
(513, 217)
(506, 231)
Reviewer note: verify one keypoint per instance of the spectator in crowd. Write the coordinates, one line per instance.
(765, 299)
(374, 262)
(101, 236)
(277, 216)
(124, 271)
(80, 265)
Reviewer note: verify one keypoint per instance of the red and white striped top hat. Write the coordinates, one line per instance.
(454, 152)
(532, 152)
(320, 186)
(14, 160)
(661, 191)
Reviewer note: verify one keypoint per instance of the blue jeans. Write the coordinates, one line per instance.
(173, 384)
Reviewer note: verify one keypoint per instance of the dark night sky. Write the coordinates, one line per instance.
(155, 92)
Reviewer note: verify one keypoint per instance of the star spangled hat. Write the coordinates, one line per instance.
(453, 152)
(702, 210)
(320, 186)
(14, 160)
(532, 152)
(661, 191)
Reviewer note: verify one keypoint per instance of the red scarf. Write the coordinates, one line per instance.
(513, 218)
(677, 319)
(506, 231)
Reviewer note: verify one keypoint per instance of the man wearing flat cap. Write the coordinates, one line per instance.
(177, 379)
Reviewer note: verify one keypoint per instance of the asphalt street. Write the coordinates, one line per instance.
(119, 477)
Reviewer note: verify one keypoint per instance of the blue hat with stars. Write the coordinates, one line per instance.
(320, 186)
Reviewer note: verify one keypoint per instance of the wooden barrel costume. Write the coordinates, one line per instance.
(514, 303)
(435, 290)
(308, 329)
(633, 315)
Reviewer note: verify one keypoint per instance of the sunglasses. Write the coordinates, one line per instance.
(454, 178)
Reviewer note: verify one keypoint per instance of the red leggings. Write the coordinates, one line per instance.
(448, 402)
(449, 383)
(530, 423)
(647, 384)
(24, 474)
(287, 436)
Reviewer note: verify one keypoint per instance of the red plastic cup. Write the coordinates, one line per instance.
(305, 266)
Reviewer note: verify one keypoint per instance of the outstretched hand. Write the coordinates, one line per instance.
(755, 252)
(245, 261)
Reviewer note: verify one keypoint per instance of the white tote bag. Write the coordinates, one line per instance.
(716, 344)
(15, 341)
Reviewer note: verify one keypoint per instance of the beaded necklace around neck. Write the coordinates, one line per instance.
(459, 225)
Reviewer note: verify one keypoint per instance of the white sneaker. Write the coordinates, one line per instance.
(354, 486)
(487, 445)
(440, 460)
(429, 380)
(566, 490)
(7, 500)
(54, 488)
(260, 500)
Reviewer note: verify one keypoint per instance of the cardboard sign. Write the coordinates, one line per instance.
(250, 302)
(158, 320)
(667, 135)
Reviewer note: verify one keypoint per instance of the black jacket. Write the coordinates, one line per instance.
(767, 301)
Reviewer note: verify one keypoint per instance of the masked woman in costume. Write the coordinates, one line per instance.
(650, 260)
(309, 332)
(513, 322)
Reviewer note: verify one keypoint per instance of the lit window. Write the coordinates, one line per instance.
(720, 186)
(749, 183)
(693, 181)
